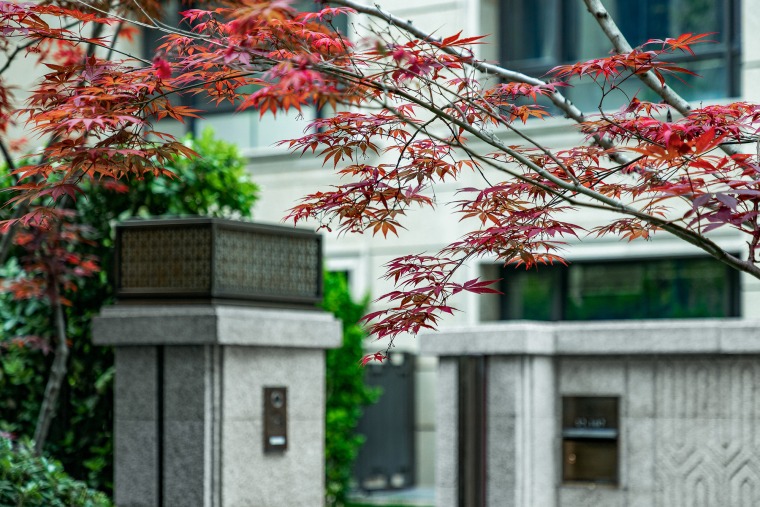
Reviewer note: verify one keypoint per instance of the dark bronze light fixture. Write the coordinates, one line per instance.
(210, 259)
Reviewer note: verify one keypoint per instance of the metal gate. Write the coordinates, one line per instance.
(386, 460)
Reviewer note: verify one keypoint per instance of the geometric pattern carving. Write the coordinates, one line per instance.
(265, 263)
(213, 258)
(177, 258)
(707, 443)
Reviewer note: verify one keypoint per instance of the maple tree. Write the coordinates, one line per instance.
(403, 111)
(52, 266)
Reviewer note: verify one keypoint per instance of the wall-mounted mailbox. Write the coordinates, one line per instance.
(590, 429)
(275, 419)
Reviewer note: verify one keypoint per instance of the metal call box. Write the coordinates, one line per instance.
(275, 419)
(590, 430)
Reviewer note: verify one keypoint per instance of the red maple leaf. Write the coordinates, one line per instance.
(163, 69)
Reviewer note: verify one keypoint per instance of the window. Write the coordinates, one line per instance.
(537, 35)
(689, 287)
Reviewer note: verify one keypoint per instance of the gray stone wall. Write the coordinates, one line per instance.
(521, 429)
(251, 477)
(689, 429)
(446, 463)
(136, 481)
(689, 410)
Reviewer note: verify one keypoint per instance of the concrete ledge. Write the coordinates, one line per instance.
(215, 324)
(628, 337)
(512, 338)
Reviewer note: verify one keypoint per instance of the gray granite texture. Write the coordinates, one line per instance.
(136, 470)
(206, 324)
(447, 410)
(189, 407)
(251, 477)
(697, 336)
(688, 408)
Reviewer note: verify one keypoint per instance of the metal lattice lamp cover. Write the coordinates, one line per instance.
(210, 258)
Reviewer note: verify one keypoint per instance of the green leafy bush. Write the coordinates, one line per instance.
(214, 184)
(30, 481)
(346, 391)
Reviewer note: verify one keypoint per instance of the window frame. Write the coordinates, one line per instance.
(730, 50)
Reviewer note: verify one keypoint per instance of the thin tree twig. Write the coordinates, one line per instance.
(57, 370)
(7, 240)
(558, 99)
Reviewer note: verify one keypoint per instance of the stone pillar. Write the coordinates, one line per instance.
(447, 433)
(189, 403)
(520, 412)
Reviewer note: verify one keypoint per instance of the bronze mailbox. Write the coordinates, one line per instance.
(275, 419)
(590, 430)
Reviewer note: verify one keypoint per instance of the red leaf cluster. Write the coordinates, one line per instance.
(400, 114)
(52, 263)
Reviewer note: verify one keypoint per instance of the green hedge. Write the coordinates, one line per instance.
(346, 391)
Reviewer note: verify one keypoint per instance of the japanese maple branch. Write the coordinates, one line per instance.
(194, 86)
(611, 206)
(621, 45)
(450, 272)
(559, 100)
(691, 237)
(162, 27)
(442, 91)
(21, 209)
(682, 233)
(114, 40)
(490, 139)
(494, 115)
(18, 49)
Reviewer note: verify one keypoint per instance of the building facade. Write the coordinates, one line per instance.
(531, 36)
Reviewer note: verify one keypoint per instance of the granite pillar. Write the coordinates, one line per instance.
(188, 416)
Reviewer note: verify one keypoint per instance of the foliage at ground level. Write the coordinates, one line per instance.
(346, 391)
(27, 480)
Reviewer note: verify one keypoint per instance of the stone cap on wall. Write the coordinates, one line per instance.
(215, 324)
(647, 337)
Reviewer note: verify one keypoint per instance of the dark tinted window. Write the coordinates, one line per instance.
(631, 289)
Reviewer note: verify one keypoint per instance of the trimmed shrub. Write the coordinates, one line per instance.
(346, 391)
(30, 481)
